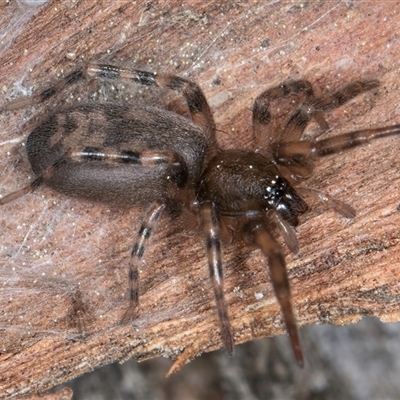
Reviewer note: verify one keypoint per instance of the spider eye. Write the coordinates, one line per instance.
(284, 199)
(274, 190)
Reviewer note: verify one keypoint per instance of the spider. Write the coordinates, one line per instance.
(169, 158)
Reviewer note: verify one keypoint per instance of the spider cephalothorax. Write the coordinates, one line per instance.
(135, 155)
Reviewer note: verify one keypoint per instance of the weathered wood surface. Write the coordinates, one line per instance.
(63, 262)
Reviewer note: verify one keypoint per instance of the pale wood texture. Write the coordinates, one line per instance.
(63, 262)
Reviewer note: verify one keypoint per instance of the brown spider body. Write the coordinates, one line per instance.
(243, 183)
(129, 154)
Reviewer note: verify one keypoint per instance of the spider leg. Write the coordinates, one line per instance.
(43, 95)
(262, 115)
(315, 109)
(214, 254)
(147, 227)
(287, 152)
(330, 101)
(79, 310)
(178, 175)
(197, 104)
(280, 282)
(311, 108)
(198, 107)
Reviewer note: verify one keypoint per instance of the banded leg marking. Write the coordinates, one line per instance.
(177, 175)
(280, 282)
(146, 158)
(315, 109)
(343, 95)
(313, 149)
(214, 255)
(262, 115)
(195, 99)
(149, 223)
(46, 94)
(312, 108)
(198, 107)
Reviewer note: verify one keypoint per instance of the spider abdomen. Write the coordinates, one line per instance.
(114, 143)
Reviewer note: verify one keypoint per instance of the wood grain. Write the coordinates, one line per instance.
(63, 262)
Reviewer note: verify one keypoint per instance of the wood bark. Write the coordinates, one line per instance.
(63, 262)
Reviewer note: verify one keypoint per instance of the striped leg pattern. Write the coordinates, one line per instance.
(146, 230)
(46, 94)
(198, 107)
(311, 108)
(214, 254)
(280, 282)
(177, 175)
(262, 114)
(313, 149)
(197, 104)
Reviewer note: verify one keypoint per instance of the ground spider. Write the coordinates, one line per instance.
(137, 155)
